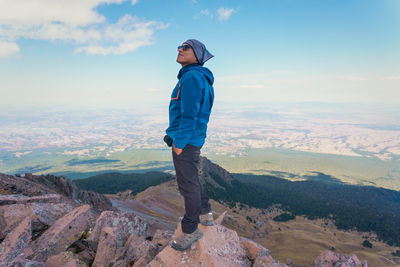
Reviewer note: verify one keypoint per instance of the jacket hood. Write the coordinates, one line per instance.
(197, 67)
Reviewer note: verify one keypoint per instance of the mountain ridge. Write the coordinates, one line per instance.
(77, 234)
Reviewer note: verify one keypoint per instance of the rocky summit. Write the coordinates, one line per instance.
(47, 221)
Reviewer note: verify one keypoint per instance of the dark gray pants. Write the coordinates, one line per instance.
(190, 187)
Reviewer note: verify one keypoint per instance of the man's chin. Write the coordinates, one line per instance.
(180, 62)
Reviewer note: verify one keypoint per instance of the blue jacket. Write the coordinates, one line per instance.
(190, 106)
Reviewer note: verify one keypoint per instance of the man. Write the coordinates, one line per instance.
(189, 112)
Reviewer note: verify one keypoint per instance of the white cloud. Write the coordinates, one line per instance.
(391, 78)
(205, 12)
(73, 12)
(126, 35)
(73, 21)
(8, 48)
(151, 89)
(221, 14)
(225, 13)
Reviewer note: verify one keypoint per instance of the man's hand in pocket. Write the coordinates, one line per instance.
(178, 151)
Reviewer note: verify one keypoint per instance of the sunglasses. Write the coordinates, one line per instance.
(184, 47)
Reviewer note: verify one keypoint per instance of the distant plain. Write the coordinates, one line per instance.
(358, 144)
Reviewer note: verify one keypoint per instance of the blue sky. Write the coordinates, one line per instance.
(118, 53)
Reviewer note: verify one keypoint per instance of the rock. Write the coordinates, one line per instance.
(365, 264)
(50, 213)
(98, 201)
(119, 229)
(67, 259)
(68, 188)
(109, 240)
(162, 238)
(16, 241)
(326, 258)
(253, 249)
(85, 250)
(42, 215)
(33, 185)
(12, 215)
(87, 256)
(219, 246)
(140, 251)
(63, 233)
(353, 261)
(220, 218)
(12, 185)
(331, 259)
(267, 261)
(21, 199)
(22, 262)
(120, 263)
(137, 251)
(126, 222)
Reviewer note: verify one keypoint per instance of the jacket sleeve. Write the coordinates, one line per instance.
(191, 94)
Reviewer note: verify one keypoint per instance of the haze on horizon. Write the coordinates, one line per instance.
(119, 53)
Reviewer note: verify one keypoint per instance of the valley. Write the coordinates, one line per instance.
(301, 239)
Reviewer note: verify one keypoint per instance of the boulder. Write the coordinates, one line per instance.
(49, 213)
(42, 215)
(63, 233)
(11, 216)
(330, 259)
(84, 250)
(140, 251)
(21, 199)
(267, 261)
(17, 185)
(16, 241)
(69, 189)
(34, 185)
(22, 262)
(126, 222)
(109, 240)
(65, 258)
(253, 249)
(219, 246)
(162, 238)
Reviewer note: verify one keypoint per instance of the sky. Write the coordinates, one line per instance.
(122, 53)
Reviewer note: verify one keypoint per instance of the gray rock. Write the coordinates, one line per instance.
(63, 233)
(21, 199)
(16, 241)
(127, 223)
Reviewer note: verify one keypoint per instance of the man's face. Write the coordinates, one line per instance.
(186, 57)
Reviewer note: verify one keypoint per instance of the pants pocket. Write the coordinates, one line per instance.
(189, 152)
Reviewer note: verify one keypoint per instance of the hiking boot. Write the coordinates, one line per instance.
(184, 241)
(207, 219)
